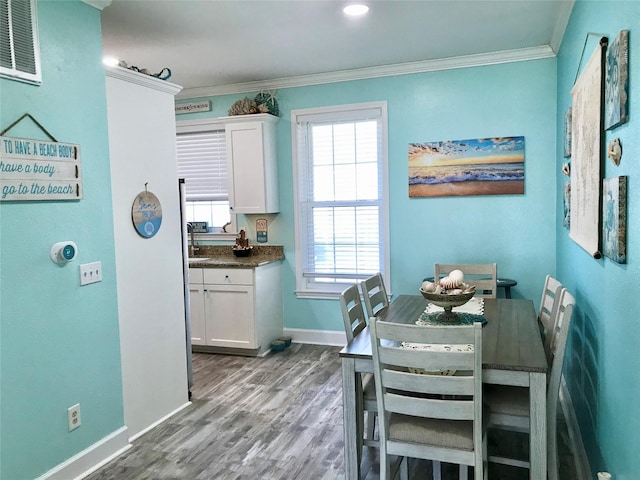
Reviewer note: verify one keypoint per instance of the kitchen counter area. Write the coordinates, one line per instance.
(235, 302)
(221, 256)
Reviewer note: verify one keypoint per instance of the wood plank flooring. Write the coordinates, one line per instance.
(272, 418)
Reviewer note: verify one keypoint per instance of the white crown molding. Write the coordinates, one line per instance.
(466, 61)
(142, 79)
(99, 4)
(561, 24)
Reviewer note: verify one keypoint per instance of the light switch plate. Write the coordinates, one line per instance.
(90, 273)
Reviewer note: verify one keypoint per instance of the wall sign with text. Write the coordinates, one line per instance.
(146, 214)
(39, 170)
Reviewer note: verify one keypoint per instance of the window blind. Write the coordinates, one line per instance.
(19, 51)
(202, 162)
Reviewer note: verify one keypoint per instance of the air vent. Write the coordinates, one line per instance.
(19, 52)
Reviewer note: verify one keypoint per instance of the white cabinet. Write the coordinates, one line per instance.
(252, 163)
(237, 308)
(196, 304)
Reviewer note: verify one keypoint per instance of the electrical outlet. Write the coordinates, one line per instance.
(73, 417)
(90, 273)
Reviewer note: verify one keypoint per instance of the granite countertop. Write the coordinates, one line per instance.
(221, 256)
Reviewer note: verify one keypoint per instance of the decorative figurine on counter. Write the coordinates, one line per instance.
(242, 248)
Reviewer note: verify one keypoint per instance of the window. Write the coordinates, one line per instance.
(202, 162)
(19, 51)
(340, 165)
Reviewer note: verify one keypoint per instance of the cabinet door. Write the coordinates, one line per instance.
(246, 167)
(196, 302)
(230, 320)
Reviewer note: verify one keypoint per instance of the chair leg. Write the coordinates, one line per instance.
(385, 467)
(371, 425)
(552, 452)
(404, 469)
(464, 472)
(437, 470)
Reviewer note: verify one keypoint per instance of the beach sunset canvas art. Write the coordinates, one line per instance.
(484, 166)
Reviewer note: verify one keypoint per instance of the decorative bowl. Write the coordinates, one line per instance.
(448, 302)
(242, 252)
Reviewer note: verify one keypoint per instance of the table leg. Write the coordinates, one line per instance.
(350, 422)
(538, 426)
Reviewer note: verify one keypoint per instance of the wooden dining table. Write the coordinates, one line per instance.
(512, 354)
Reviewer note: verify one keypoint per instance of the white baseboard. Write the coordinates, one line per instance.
(317, 337)
(583, 469)
(155, 424)
(91, 458)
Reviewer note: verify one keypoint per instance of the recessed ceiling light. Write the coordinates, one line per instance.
(355, 9)
(110, 61)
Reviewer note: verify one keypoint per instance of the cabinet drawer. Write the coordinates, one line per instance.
(195, 275)
(228, 276)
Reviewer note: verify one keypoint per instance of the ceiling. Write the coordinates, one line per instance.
(212, 45)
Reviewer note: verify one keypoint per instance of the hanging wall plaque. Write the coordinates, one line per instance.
(586, 148)
(39, 170)
(146, 214)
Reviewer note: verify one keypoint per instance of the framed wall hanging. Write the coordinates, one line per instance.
(482, 166)
(566, 197)
(614, 215)
(616, 90)
(586, 147)
(567, 133)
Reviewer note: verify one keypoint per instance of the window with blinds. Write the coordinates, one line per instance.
(341, 208)
(202, 162)
(19, 50)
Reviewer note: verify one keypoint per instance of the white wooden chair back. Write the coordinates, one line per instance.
(547, 311)
(510, 405)
(549, 300)
(445, 400)
(483, 276)
(352, 312)
(374, 294)
(562, 325)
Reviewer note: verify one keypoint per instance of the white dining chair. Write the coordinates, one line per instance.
(427, 416)
(483, 276)
(546, 312)
(374, 294)
(509, 406)
(354, 322)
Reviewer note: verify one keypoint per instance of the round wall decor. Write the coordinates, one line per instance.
(146, 213)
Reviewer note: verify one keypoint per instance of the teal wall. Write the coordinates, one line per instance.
(59, 342)
(603, 356)
(516, 231)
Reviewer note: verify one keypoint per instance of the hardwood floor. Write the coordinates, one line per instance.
(272, 418)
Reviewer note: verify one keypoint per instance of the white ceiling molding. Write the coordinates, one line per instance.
(465, 61)
(561, 25)
(142, 79)
(99, 4)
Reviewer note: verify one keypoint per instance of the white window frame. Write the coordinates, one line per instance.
(13, 72)
(305, 286)
(205, 125)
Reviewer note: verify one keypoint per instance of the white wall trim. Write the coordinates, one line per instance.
(465, 61)
(155, 424)
(99, 4)
(141, 79)
(333, 338)
(583, 469)
(92, 458)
